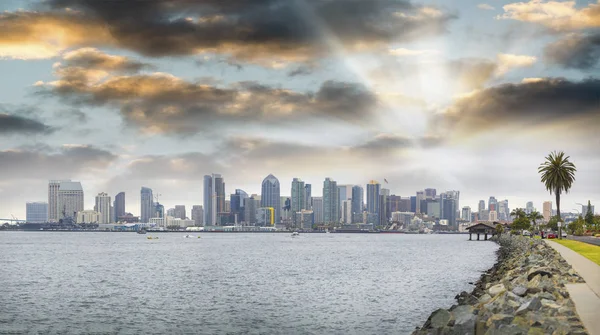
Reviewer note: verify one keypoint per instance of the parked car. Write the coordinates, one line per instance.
(563, 234)
(551, 235)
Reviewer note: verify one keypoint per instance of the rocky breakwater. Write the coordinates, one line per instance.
(523, 293)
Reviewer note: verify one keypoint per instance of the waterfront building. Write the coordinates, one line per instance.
(318, 209)
(403, 218)
(298, 197)
(529, 207)
(170, 212)
(346, 212)
(147, 204)
(89, 217)
(36, 212)
(54, 214)
(119, 206)
(331, 206)
(70, 199)
(373, 204)
(159, 211)
(466, 213)
(270, 196)
(103, 207)
(419, 202)
(307, 196)
(198, 215)
(265, 216)
(493, 216)
(179, 212)
(547, 210)
(250, 207)
(492, 204)
(481, 206)
(430, 193)
(304, 219)
(237, 201)
(208, 194)
(382, 215)
(357, 204)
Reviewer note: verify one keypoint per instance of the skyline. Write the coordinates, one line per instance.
(467, 96)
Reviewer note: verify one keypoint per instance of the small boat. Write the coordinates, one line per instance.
(150, 237)
(188, 236)
(295, 233)
(142, 231)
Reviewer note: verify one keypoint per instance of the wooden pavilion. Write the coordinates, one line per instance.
(481, 229)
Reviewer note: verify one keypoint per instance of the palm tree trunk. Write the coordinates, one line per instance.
(558, 213)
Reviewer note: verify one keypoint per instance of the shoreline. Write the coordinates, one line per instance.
(231, 232)
(523, 293)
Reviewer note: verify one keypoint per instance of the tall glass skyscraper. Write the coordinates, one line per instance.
(298, 196)
(331, 204)
(37, 212)
(270, 195)
(147, 204)
(373, 192)
(119, 206)
(357, 203)
(208, 201)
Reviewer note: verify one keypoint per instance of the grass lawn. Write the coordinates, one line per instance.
(591, 252)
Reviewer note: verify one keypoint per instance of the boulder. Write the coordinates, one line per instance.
(464, 320)
(520, 291)
(484, 298)
(496, 289)
(439, 318)
(531, 305)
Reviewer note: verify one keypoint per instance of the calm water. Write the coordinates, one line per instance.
(106, 283)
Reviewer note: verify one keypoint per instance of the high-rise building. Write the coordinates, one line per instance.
(584, 209)
(393, 204)
(529, 207)
(547, 210)
(103, 207)
(298, 196)
(179, 212)
(373, 205)
(219, 184)
(419, 202)
(382, 215)
(119, 206)
(250, 206)
(304, 219)
(171, 212)
(270, 196)
(54, 213)
(331, 206)
(70, 199)
(413, 204)
(198, 215)
(481, 206)
(88, 217)
(36, 212)
(307, 196)
(344, 193)
(503, 212)
(209, 218)
(147, 205)
(159, 211)
(466, 213)
(286, 210)
(346, 212)
(265, 216)
(493, 216)
(318, 209)
(385, 191)
(430, 193)
(357, 203)
(492, 204)
(237, 201)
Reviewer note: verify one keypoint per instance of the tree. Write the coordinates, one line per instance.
(553, 223)
(576, 227)
(518, 213)
(499, 229)
(558, 175)
(534, 216)
(520, 224)
(589, 216)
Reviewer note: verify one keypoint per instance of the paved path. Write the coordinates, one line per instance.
(585, 296)
(586, 239)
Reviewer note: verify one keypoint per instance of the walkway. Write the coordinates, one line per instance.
(585, 296)
(586, 239)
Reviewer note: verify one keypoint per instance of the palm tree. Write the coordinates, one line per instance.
(534, 216)
(558, 174)
(518, 213)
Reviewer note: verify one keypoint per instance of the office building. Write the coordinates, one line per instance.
(179, 212)
(88, 217)
(434, 209)
(430, 193)
(466, 213)
(547, 210)
(346, 212)
(119, 206)
(529, 207)
(385, 191)
(373, 205)
(265, 216)
(331, 205)
(382, 215)
(307, 196)
(36, 212)
(492, 204)
(413, 204)
(198, 215)
(103, 207)
(298, 196)
(54, 213)
(304, 219)
(503, 211)
(419, 201)
(481, 206)
(70, 199)
(208, 194)
(147, 205)
(271, 196)
(493, 216)
(357, 204)
(344, 193)
(159, 210)
(318, 209)
(250, 206)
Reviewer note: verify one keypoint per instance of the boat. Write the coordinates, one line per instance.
(188, 236)
(149, 237)
(295, 233)
(142, 231)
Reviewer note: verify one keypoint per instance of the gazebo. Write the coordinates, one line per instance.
(481, 229)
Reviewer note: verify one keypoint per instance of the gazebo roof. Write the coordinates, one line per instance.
(481, 226)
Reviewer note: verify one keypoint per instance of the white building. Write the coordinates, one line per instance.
(53, 212)
(103, 207)
(466, 213)
(318, 209)
(70, 199)
(88, 216)
(493, 216)
(37, 212)
(346, 217)
(305, 219)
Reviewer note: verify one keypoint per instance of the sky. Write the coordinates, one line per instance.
(453, 95)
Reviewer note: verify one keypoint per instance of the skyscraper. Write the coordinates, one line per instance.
(382, 215)
(547, 212)
(584, 209)
(318, 209)
(373, 192)
(503, 212)
(481, 206)
(36, 212)
(119, 206)
(384, 191)
(70, 199)
(430, 193)
(219, 198)
(250, 207)
(307, 196)
(357, 203)
(180, 212)
(466, 213)
(198, 215)
(346, 212)
(103, 207)
(53, 212)
(237, 204)
(492, 204)
(419, 202)
(529, 207)
(147, 205)
(331, 205)
(270, 196)
(298, 196)
(209, 218)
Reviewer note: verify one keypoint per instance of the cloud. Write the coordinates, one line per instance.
(402, 52)
(507, 62)
(575, 51)
(93, 58)
(44, 162)
(302, 70)
(540, 102)
(253, 31)
(556, 15)
(485, 6)
(19, 125)
(163, 103)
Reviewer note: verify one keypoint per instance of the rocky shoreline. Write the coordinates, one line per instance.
(523, 293)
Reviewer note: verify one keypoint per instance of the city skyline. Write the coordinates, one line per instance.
(452, 95)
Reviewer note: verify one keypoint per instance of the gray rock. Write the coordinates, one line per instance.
(464, 320)
(547, 295)
(484, 298)
(520, 291)
(497, 320)
(550, 304)
(496, 289)
(531, 305)
(439, 318)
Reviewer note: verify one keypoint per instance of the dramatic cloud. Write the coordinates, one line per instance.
(15, 124)
(402, 52)
(485, 6)
(257, 31)
(44, 162)
(540, 102)
(556, 15)
(575, 51)
(94, 58)
(507, 62)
